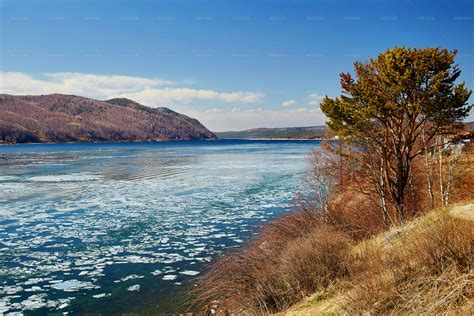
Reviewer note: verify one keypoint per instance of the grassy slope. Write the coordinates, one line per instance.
(336, 298)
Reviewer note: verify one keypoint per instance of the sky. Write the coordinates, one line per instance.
(231, 64)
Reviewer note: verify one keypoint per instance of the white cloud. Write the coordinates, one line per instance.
(149, 91)
(166, 96)
(214, 110)
(239, 119)
(315, 99)
(254, 110)
(288, 103)
(91, 85)
(244, 97)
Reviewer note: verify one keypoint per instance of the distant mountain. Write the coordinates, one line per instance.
(70, 118)
(310, 132)
(469, 126)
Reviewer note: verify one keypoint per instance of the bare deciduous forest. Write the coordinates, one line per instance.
(67, 118)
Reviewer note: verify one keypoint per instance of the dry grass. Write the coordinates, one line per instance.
(425, 267)
(290, 260)
(428, 270)
(463, 184)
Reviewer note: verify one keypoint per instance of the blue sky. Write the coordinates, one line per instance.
(231, 64)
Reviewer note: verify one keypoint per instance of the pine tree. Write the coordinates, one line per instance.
(395, 105)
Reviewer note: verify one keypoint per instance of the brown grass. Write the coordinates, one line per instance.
(428, 270)
(293, 258)
(463, 184)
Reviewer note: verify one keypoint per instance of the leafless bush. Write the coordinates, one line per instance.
(289, 261)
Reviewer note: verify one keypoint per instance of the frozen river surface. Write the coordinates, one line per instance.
(125, 227)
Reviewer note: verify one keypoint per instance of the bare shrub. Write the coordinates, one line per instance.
(355, 214)
(314, 261)
(275, 271)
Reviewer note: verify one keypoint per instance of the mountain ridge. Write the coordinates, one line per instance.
(70, 118)
(300, 132)
(307, 132)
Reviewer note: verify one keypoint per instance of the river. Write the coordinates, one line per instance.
(126, 227)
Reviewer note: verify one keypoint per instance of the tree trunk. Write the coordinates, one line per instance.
(412, 191)
(383, 202)
(429, 171)
(400, 189)
(439, 145)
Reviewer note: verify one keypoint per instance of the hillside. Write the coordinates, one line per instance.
(310, 132)
(469, 126)
(436, 247)
(343, 258)
(69, 118)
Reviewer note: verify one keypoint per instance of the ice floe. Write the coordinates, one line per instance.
(101, 295)
(134, 288)
(72, 285)
(131, 277)
(190, 272)
(65, 177)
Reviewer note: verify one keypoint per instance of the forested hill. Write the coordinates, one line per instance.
(310, 132)
(70, 118)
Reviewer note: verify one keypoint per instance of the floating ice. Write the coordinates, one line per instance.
(7, 178)
(170, 277)
(34, 302)
(134, 288)
(74, 177)
(10, 289)
(36, 280)
(131, 277)
(190, 272)
(4, 305)
(34, 289)
(72, 214)
(101, 295)
(63, 305)
(72, 285)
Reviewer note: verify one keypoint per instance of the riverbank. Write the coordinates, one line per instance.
(343, 258)
(423, 267)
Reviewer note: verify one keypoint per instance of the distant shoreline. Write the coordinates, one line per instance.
(113, 142)
(161, 141)
(270, 138)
